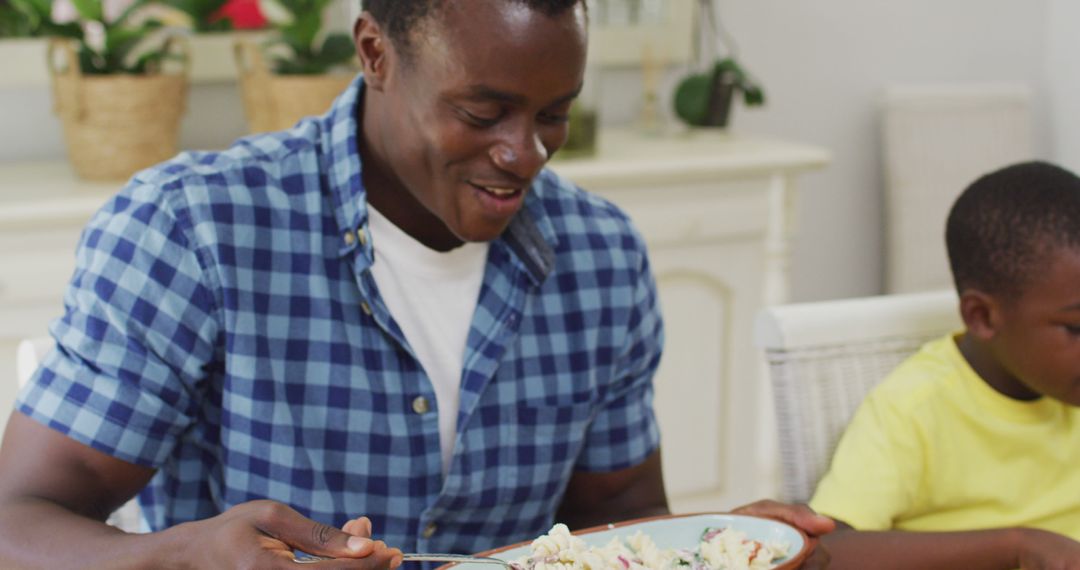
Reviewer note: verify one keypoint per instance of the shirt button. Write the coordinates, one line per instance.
(429, 530)
(420, 405)
(361, 236)
(366, 308)
(349, 238)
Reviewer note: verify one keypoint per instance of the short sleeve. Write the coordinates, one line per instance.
(876, 470)
(625, 430)
(136, 337)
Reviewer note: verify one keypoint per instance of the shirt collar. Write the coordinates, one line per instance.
(530, 236)
(342, 166)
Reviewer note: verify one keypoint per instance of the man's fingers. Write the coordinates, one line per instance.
(285, 524)
(801, 516)
(358, 527)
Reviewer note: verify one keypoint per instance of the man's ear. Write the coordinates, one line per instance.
(981, 313)
(372, 47)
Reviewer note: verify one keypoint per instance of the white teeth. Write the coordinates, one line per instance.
(500, 191)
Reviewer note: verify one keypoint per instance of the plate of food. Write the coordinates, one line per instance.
(702, 541)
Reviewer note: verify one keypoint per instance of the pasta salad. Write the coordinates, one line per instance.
(718, 549)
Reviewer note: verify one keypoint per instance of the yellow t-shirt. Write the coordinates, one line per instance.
(934, 448)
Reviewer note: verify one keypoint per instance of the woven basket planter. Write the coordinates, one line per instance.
(274, 102)
(116, 125)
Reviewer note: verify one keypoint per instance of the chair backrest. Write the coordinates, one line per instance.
(28, 356)
(937, 139)
(824, 358)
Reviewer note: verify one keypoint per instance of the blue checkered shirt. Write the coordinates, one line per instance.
(223, 327)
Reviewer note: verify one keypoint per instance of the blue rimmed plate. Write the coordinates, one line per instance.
(680, 531)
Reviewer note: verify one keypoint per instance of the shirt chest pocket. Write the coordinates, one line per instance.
(544, 437)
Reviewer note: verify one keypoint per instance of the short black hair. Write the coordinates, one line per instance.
(1006, 223)
(400, 17)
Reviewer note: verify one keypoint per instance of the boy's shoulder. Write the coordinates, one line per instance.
(930, 374)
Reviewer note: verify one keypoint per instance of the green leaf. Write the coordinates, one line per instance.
(301, 34)
(692, 99)
(753, 96)
(71, 30)
(117, 39)
(293, 67)
(92, 63)
(42, 8)
(89, 9)
(131, 9)
(337, 49)
(733, 73)
(222, 25)
(15, 22)
(200, 12)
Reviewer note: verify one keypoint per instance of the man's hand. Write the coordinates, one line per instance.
(264, 534)
(800, 516)
(52, 485)
(1045, 550)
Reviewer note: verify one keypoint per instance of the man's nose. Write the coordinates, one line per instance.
(522, 153)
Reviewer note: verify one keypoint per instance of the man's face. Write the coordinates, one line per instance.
(479, 108)
(1039, 340)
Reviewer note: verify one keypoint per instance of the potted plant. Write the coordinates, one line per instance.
(298, 70)
(704, 98)
(115, 90)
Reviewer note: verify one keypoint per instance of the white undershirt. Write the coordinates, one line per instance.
(432, 296)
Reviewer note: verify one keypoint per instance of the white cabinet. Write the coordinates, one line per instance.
(713, 208)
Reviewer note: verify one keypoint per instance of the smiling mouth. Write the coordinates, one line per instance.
(499, 191)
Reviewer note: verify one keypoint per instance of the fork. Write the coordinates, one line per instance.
(305, 558)
(458, 558)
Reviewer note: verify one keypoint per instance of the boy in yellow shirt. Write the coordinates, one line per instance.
(968, 455)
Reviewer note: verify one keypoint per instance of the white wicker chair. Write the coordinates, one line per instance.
(29, 354)
(823, 359)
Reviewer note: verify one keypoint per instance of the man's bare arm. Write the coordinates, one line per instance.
(599, 498)
(55, 494)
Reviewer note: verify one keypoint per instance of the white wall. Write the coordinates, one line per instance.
(1063, 73)
(824, 64)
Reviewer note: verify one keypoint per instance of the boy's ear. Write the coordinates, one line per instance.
(981, 313)
(372, 47)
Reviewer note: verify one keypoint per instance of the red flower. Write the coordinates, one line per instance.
(245, 14)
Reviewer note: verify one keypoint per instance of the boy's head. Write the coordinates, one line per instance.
(1006, 223)
(1013, 238)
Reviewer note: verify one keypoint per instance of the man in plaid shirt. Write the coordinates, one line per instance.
(389, 317)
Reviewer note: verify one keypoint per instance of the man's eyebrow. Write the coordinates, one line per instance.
(1068, 308)
(483, 92)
